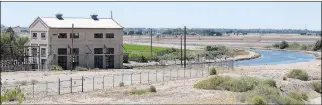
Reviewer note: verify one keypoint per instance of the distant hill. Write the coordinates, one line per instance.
(17, 29)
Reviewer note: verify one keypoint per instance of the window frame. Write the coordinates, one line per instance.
(101, 35)
(42, 54)
(109, 35)
(70, 35)
(62, 52)
(43, 35)
(33, 35)
(61, 37)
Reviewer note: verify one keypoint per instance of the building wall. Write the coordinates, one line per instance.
(86, 37)
(39, 27)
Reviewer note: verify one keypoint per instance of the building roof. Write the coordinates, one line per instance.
(53, 22)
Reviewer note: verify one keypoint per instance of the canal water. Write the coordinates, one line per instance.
(271, 57)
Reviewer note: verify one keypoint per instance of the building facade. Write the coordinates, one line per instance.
(71, 42)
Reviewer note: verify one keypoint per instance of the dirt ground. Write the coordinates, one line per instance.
(182, 91)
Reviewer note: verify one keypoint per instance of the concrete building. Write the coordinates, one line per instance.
(96, 43)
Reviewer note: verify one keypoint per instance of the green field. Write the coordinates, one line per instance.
(142, 49)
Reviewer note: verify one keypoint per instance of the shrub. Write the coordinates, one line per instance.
(78, 68)
(305, 47)
(298, 95)
(56, 68)
(121, 84)
(298, 74)
(153, 89)
(270, 82)
(270, 94)
(258, 100)
(286, 100)
(213, 71)
(125, 58)
(241, 84)
(276, 45)
(12, 95)
(317, 86)
(317, 46)
(294, 45)
(284, 78)
(283, 45)
(212, 83)
(139, 91)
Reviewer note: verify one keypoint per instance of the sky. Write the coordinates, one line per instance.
(242, 15)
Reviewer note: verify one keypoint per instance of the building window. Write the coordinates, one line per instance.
(43, 35)
(98, 35)
(34, 51)
(43, 61)
(34, 35)
(62, 51)
(76, 35)
(98, 50)
(43, 52)
(62, 35)
(110, 51)
(109, 35)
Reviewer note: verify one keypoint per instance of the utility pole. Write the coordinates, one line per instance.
(72, 47)
(181, 50)
(151, 41)
(185, 46)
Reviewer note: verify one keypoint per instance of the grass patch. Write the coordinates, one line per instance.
(298, 96)
(142, 49)
(56, 68)
(258, 100)
(317, 87)
(12, 95)
(143, 91)
(241, 84)
(298, 74)
(254, 90)
(240, 52)
(81, 68)
(213, 71)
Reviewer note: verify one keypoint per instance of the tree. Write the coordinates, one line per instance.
(218, 34)
(283, 45)
(130, 33)
(17, 45)
(139, 32)
(125, 33)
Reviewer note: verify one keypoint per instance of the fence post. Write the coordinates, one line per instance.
(46, 88)
(148, 77)
(140, 77)
(131, 78)
(177, 74)
(156, 75)
(82, 83)
(163, 75)
(113, 80)
(93, 82)
(184, 73)
(58, 86)
(71, 85)
(103, 81)
(190, 72)
(170, 74)
(33, 89)
(122, 78)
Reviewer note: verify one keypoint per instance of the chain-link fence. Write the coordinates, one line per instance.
(142, 75)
